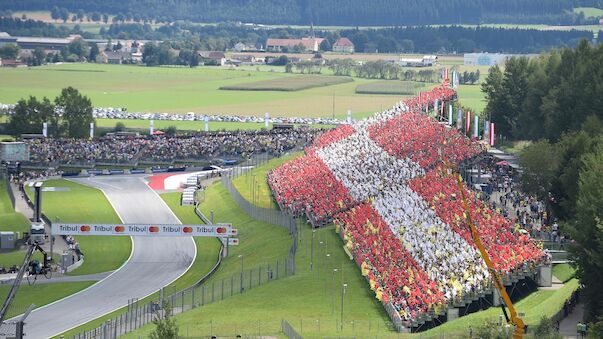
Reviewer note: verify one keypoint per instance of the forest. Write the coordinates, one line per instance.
(555, 102)
(329, 12)
(424, 39)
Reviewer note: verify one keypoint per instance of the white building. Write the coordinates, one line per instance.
(485, 59)
(425, 61)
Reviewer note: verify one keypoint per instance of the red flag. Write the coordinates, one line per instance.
(467, 122)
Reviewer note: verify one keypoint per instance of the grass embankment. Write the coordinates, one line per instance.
(535, 306)
(40, 294)
(390, 87)
(472, 97)
(245, 183)
(182, 89)
(11, 221)
(85, 204)
(289, 83)
(309, 298)
(564, 272)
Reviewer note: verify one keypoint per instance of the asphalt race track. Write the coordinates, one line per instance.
(154, 263)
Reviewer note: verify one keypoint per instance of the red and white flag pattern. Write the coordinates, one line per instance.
(381, 182)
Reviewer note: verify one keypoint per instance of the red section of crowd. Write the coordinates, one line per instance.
(423, 140)
(391, 271)
(307, 185)
(418, 104)
(508, 250)
(325, 139)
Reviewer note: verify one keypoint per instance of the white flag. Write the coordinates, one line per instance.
(45, 130)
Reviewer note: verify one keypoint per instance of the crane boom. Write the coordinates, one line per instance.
(514, 319)
(16, 282)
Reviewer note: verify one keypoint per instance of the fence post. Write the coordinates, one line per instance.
(182, 310)
(193, 298)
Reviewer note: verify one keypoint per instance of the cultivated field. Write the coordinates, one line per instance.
(289, 84)
(390, 87)
(176, 89)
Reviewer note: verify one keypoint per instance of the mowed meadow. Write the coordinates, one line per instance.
(178, 89)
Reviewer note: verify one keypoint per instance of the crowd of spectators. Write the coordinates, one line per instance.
(306, 185)
(509, 250)
(400, 214)
(166, 148)
(422, 139)
(390, 269)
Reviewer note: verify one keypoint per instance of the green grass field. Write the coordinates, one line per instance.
(564, 272)
(9, 219)
(589, 11)
(394, 87)
(289, 84)
(86, 204)
(180, 89)
(40, 294)
(472, 97)
(13, 222)
(244, 183)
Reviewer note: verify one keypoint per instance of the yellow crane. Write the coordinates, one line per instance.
(520, 326)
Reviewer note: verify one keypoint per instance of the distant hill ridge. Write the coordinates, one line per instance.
(330, 12)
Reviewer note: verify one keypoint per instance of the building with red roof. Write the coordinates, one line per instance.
(343, 45)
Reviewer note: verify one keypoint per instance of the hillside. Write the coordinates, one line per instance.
(329, 12)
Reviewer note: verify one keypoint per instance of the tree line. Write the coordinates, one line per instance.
(70, 115)
(555, 101)
(442, 39)
(323, 12)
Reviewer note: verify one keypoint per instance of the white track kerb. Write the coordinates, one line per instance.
(153, 262)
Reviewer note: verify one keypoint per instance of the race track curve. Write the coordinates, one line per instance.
(154, 262)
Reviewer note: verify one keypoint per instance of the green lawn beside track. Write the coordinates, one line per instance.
(40, 294)
(244, 183)
(85, 204)
(564, 272)
(11, 221)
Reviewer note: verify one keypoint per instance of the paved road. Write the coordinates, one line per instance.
(154, 263)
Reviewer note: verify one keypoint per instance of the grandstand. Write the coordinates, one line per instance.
(381, 181)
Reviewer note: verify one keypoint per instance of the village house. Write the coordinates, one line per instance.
(343, 45)
(212, 58)
(304, 44)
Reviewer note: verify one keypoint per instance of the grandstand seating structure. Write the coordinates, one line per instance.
(381, 181)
